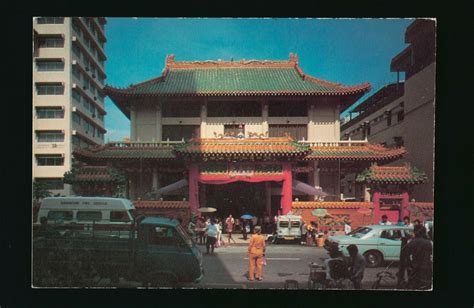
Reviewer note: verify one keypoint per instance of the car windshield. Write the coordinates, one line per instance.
(359, 232)
(185, 236)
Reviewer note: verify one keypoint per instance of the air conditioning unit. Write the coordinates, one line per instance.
(74, 62)
(84, 87)
(87, 69)
(95, 98)
(74, 109)
(93, 75)
(54, 145)
(74, 85)
(93, 115)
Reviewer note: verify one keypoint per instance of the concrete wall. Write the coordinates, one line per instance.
(420, 117)
(322, 121)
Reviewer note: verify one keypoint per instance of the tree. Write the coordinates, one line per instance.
(40, 190)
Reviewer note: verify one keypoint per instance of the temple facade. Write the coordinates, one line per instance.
(241, 136)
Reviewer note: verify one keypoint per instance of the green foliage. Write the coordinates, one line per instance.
(40, 190)
(367, 173)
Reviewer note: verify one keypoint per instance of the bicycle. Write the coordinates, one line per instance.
(382, 276)
(317, 276)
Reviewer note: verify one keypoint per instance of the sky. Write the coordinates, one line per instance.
(348, 51)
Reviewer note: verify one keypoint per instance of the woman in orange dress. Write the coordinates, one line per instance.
(256, 252)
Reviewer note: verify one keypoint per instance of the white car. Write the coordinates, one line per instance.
(376, 243)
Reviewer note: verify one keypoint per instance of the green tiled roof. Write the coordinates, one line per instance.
(392, 175)
(124, 151)
(240, 78)
(232, 81)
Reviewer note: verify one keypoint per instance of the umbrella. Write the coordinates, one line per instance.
(206, 209)
(320, 212)
(247, 216)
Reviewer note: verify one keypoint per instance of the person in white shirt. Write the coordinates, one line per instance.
(211, 231)
(384, 221)
(347, 228)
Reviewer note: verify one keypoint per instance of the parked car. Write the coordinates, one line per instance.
(376, 243)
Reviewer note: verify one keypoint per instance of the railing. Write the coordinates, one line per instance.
(140, 144)
(336, 143)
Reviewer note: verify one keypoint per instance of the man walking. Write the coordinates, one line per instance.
(419, 251)
(211, 231)
(357, 266)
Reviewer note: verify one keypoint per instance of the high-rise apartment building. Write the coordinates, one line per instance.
(68, 100)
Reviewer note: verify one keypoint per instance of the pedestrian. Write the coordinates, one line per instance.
(256, 252)
(416, 222)
(309, 235)
(211, 236)
(403, 263)
(406, 221)
(244, 229)
(191, 229)
(314, 231)
(419, 251)
(200, 229)
(219, 233)
(357, 266)
(229, 222)
(266, 223)
(303, 233)
(384, 221)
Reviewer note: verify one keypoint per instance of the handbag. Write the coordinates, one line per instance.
(264, 261)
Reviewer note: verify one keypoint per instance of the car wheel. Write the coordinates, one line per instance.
(373, 258)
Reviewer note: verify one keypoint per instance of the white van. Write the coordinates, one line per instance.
(88, 214)
(289, 227)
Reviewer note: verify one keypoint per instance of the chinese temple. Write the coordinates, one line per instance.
(246, 136)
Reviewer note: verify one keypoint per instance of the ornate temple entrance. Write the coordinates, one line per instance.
(236, 198)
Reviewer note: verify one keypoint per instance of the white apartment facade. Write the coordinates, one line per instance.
(68, 103)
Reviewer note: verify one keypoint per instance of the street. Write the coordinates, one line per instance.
(228, 268)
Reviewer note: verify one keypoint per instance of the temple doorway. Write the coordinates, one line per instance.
(236, 198)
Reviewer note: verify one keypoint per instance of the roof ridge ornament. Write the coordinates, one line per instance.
(294, 58)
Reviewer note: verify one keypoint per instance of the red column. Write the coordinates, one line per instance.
(286, 190)
(193, 187)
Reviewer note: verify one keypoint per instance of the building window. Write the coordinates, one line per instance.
(50, 136)
(53, 41)
(180, 132)
(287, 109)
(76, 50)
(234, 109)
(88, 215)
(297, 132)
(76, 72)
(388, 114)
(51, 183)
(49, 112)
(49, 65)
(76, 118)
(50, 160)
(400, 115)
(50, 20)
(49, 88)
(184, 110)
(76, 95)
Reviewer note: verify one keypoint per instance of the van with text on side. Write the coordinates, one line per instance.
(88, 215)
